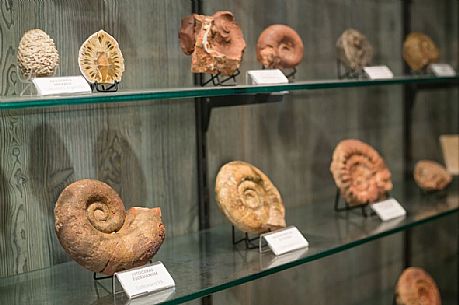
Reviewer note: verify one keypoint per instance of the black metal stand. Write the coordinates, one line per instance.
(348, 207)
(105, 87)
(98, 278)
(249, 242)
(344, 72)
(217, 79)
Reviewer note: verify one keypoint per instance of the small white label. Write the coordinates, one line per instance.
(266, 77)
(285, 240)
(61, 85)
(378, 72)
(145, 280)
(442, 70)
(388, 209)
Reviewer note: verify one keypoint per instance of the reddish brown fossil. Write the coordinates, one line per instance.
(416, 287)
(187, 35)
(279, 47)
(431, 176)
(360, 173)
(354, 50)
(419, 51)
(96, 231)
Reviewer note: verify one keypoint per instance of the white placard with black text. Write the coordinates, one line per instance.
(266, 77)
(378, 72)
(442, 70)
(388, 209)
(61, 85)
(285, 240)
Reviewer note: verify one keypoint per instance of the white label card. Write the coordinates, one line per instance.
(388, 209)
(378, 72)
(442, 70)
(143, 280)
(285, 240)
(61, 85)
(266, 77)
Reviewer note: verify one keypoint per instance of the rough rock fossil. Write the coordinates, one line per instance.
(360, 173)
(279, 47)
(354, 50)
(248, 198)
(419, 51)
(416, 287)
(37, 54)
(218, 43)
(100, 59)
(431, 176)
(96, 231)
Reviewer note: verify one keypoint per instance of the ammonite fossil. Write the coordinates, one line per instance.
(360, 173)
(416, 287)
(248, 198)
(218, 43)
(100, 59)
(279, 47)
(419, 51)
(354, 50)
(37, 54)
(96, 231)
(431, 176)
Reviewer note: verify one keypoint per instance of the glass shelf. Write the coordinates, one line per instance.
(206, 262)
(176, 93)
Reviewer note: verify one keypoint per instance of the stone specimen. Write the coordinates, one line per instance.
(360, 173)
(216, 43)
(37, 54)
(354, 50)
(279, 47)
(419, 51)
(416, 287)
(248, 198)
(431, 176)
(96, 231)
(100, 59)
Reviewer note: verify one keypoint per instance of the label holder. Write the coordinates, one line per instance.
(268, 243)
(61, 85)
(388, 209)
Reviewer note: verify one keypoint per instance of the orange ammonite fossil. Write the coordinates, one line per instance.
(416, 287)
(419, 51)
(354, 50)
(96, 231)
(279, 47)
(248, 198)
(360, 173)
(431, 176)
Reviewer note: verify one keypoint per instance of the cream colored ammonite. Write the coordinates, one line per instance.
(431, 176)
(419, 50)
(248, 198)
(360, 173)
(100, 59)
(416, 287)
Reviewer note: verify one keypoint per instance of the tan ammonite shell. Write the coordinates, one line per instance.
(354, 50)
(416, 287)
(248, 198)
(431, 176)
(100, 59)
(419, 51)
(218, 43)
(279, 47)
(359, 172)
(37, 54)
(96, 231)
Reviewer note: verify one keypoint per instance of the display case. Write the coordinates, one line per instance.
(162, 137)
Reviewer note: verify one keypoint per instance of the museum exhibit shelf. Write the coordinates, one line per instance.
(206, 262)
(196, 92)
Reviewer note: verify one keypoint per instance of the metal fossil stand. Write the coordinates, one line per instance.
(105, 87)
(350, 207)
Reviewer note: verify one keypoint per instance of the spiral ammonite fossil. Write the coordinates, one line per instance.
(416, 287)
(360, 173)
(279, 47)
(431, 176)
(96, 231)
(354, 50)
(419, 51)
(248, 198)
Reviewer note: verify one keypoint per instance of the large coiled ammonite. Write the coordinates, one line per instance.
(354, 50)
(96, 231)
(248, 198)
(416, 287)
(279, 47)
(360, 173)
(419, 51)
(431, 176)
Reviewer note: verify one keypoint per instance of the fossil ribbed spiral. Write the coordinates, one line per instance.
(96, 231)
(279, 47)
(37, 54)
(248, 198)
(431, 176)
(354, 50)
(416, 287)
(419, 51)
(360, 173)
